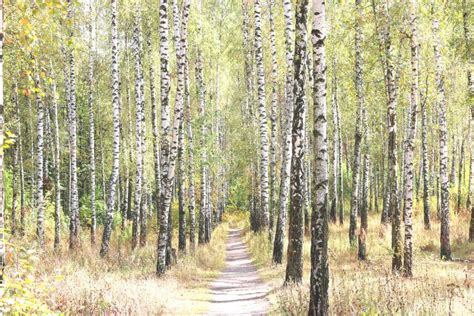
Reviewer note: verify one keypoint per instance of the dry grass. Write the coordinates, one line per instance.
(437, 288)
(125, 282)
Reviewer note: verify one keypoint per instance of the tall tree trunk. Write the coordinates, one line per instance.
(116, 140)
(16, 158)
(201, 88)
(392, 180)
(22, 172)
(445, 249)
(139, 125)
(191, 192)
(168, 151)
(181, 54)
(359, 130)
(425, 170)
(339, 162)
(319, 281)
(155, 128)
(74, 221)
(57, 170)
(410, 144)
(264, 190)
(470, 81)
(39, 160)
(294, 267)
(273, 116)
(92, 137)
(286, 137)
(336, 153)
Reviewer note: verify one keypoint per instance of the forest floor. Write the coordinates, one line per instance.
(123, 283)
(437, 288)
(239, 289)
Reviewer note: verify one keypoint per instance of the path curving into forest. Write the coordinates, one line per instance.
(238, 289)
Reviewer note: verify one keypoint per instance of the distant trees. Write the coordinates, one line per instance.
(62, 146)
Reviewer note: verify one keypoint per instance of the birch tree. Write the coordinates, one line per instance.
(445, 249)
(294, 267)
(116, 138)
(39, 159)
(286, 137)
(72, 112)
(410, 144)
(168, 149)
(319, 280)
(359, 129)
(264, 146)
(91, 134)
(273, 114)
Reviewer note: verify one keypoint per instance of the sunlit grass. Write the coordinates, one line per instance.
(125, 281)
(438, 287)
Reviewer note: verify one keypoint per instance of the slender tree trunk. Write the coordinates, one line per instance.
(22, 172)
(273, 116)
(319, 281)
(410, 144)
(460, 175)
(168, 150)
(16, 157)
(336, 153)
(139, 125)
(425, 170)
(358, 132)
(470, 81)
(294, 267)
(364, 210)
(445, 249)
(286, 137)
(181, 189)
(155, 129)
(264, 190)
(191, 192)
(92, 138)
(339, 162)
(39, 161)
(57, 170)
(392, 180)
(116, 140)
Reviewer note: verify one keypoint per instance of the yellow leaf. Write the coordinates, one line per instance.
(24, 21)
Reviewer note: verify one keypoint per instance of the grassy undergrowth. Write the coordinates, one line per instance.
(123, 283)
(437, 288)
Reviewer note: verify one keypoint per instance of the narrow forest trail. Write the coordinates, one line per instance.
(238, 289)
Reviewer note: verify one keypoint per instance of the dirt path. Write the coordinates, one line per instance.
(239, 289)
